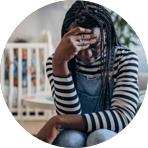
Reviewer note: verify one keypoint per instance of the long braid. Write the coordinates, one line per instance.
(88, 15)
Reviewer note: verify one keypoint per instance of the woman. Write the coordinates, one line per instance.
(93, 80)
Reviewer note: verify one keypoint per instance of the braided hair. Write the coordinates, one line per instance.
(88, 15)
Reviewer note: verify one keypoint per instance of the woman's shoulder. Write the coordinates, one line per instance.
(123, 52)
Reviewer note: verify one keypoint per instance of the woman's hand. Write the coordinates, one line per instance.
(52, 128)
(49, 131)
(72, 42)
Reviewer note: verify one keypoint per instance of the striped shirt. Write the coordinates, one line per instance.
(125, 94)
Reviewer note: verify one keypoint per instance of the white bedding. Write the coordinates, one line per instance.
(15, 92)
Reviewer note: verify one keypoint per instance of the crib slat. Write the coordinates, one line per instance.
(20, 70)
(11, 78)
(28, 71)
(37, 76)
(19, 80)
(46, 83)
(28, 78)
(37, 70)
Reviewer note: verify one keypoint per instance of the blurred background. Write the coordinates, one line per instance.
(51, 17)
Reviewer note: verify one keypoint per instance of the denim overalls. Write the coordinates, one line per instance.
(88, 89)
(88, 92)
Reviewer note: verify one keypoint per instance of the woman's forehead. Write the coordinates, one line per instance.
(94, 30)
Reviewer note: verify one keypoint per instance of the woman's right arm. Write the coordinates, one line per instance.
(63, 92)
(62, 86)
(60, 69)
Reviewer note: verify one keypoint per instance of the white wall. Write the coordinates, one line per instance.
(49, 17)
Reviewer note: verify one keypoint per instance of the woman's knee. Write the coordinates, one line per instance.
(99, 136)
(70, 138)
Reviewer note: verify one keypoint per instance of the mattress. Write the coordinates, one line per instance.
(15, 92)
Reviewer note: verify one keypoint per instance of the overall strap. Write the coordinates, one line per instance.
(112, 58)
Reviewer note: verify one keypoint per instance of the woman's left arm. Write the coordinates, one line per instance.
(52, 128)
(125, 95)
(68, 108)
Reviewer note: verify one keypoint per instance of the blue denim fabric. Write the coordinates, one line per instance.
(88, 92)
(99, 136)
(70, 138)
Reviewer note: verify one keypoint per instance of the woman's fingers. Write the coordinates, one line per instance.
(86, 36)
(85, 42)
(82, 47)
(82, 33)
(78, 30)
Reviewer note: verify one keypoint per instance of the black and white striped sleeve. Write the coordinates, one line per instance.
(63, 92)
(125, 96)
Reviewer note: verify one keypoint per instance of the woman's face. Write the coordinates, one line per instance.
(88, 56)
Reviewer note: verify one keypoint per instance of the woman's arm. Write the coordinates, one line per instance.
(62, 86)
(59, 68)
(125, 95)
(75, 122)
(63, 92)
(65, 102)
(52, 128)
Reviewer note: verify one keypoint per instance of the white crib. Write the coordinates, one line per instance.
(40, 51)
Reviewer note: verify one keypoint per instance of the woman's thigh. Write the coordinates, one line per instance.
(99, 136)
(70, 138)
